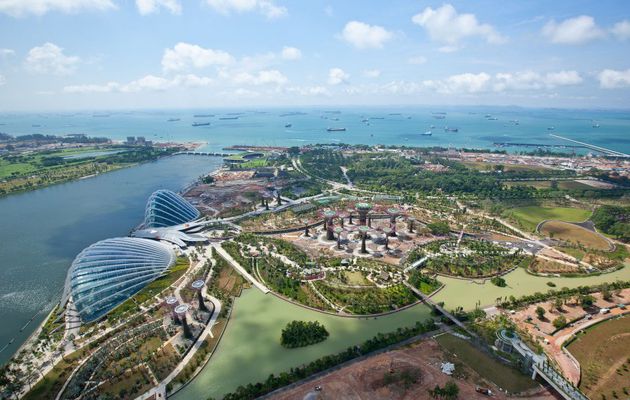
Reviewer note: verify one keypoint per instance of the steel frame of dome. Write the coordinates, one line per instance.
(166, 208)
(108, 272)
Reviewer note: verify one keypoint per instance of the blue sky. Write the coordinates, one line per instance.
(110, 54)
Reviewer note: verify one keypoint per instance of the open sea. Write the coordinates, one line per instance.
(478, 127)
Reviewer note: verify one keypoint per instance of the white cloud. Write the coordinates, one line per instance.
(185, 56)
(461, 83)
(6, 53)
(417, 60)
(612, 79)
(146, 7)
(91, 88)
(372, 73)
(337, 76)
(445, 25)
(563, 78)
(363, 36)
(49, 59)
(266, 7)
(291, 53)
(576, 30)
(192, 80)
(468, 83)
(308, 90)
(530, 80)
(621, 30)
(148, 82)
(20, 8)
(265, 77)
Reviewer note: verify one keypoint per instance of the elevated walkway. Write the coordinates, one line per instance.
(557, 381)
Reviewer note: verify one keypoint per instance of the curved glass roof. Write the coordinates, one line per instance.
(108, 272)
(167, 208)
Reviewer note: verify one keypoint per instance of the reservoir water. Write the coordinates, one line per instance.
(42, 231)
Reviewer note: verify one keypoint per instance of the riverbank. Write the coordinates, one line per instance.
(22, 173)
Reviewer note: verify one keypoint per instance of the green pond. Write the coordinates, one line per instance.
(250, 349)
(459, 292)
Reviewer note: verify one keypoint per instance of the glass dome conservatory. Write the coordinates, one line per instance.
(108, 272)
(167, 208)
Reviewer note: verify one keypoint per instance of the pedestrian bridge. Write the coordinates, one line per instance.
(557, 381)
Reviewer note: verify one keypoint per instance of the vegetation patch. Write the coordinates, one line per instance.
(613, 220)
(530, 216)
(303, 333)
(603, 352)
(574, 234)
(489, 368)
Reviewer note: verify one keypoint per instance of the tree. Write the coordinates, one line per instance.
(439, 228)
(540, 312)
(558, 303)
(560, 322)
(586, 300)
(606, 293)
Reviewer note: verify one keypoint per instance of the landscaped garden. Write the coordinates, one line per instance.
(469, 258)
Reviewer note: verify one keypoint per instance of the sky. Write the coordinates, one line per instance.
(142, 54)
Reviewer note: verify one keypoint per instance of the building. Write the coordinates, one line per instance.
(108, 272)
(166, 208)
(169, 217)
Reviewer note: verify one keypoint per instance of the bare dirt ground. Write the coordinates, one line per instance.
(571, 311)
(365, 380)
(541, 330)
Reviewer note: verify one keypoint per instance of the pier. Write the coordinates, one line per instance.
(593, 147)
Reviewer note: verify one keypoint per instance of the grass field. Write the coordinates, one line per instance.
(484, 166)
(574, 234)
(604, 356)
(565, 185)
(530, 216)
(486, 366)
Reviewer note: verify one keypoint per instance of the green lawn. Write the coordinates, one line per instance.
(530, 216)
(503, 376)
